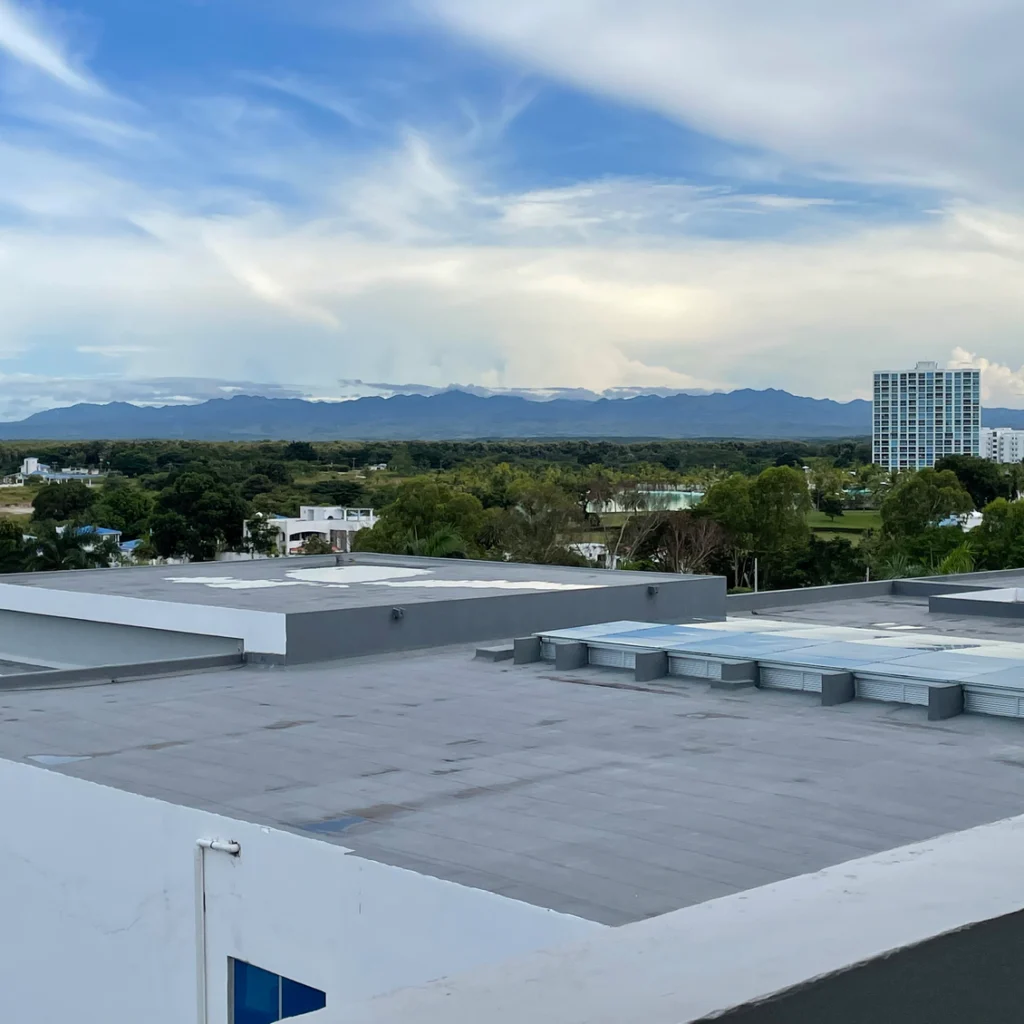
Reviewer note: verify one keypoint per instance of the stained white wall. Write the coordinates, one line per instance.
(98, 918)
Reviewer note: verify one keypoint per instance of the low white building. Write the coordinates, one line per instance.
(1002, 444)
(332, 523)
(33, 468)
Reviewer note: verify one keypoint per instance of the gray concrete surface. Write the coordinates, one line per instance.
(578, 791)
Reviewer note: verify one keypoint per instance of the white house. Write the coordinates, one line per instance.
(332, 523)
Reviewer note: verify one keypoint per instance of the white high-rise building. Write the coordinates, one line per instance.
(1002, 444)
(924, 414)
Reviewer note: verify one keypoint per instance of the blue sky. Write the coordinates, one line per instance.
(201, 194)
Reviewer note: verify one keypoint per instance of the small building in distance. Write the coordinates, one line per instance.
(332, 523)
(1002, 444)
(33, 468)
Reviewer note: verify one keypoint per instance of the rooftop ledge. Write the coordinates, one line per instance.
(923, 934)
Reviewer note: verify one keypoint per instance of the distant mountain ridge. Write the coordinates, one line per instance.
(459, 415)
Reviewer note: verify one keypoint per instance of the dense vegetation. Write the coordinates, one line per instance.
(793, 514)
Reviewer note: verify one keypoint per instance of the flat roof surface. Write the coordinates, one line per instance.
(895, 611)
(576, 791)
(316, 584)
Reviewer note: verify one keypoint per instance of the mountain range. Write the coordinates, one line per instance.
(460, 415)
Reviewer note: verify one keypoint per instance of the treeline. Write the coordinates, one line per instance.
(747, 528)
(538, 502)
(140, 458)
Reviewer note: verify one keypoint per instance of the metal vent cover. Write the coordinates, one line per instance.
(610, 657)
(790, 679)
(893, 691)
(694, 668)
(1005, 705)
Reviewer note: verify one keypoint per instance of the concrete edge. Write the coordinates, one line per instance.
(118, 673)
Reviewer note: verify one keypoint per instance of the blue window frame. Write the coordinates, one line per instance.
(256, 996)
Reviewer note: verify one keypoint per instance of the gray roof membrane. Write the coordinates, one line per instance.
(570, 790)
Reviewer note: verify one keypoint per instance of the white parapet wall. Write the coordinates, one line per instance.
(261, 632)
(925, 934)
(98, 896)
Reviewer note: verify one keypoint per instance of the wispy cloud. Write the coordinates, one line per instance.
(894, 90)
(312, 94)
(25, 39)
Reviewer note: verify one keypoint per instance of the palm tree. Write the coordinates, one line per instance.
(444, 542)
(899, 567)
(960, 560)
(69, 547)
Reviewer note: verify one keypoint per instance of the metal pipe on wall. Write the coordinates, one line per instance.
(233, 849)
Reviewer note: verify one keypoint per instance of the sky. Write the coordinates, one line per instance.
(206, 197)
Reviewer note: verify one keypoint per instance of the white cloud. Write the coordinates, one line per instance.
(923, 91)
(275, 296)
(1000, 385)
(27, 41)
(406, 262)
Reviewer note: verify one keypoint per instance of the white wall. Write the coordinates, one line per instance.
(262, 632)
(97, 913)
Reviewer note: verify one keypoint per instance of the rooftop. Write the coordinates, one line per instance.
(319, 584)
(309, 609)
(578, 791)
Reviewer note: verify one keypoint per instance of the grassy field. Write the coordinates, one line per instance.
(16, 502)
(851, 525)
(855, 519)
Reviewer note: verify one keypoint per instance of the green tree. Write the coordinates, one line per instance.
(261, 536)
(420, 508)
(899, 566)
(826, 481)
(299, 451)
(346, 493)
(537, 526)
(12, 546)
(831, 505)
(780, 501)
(444, 542)
(276, 472)
(61, 502)
(999, 541)
(921, 500)
(133, 462)
(125, 508)
(258, 483)
(983, 480)
(69, 547)
(730, 504)
(401, 462)
(197, 516)
(960, 560)
(317, 544)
